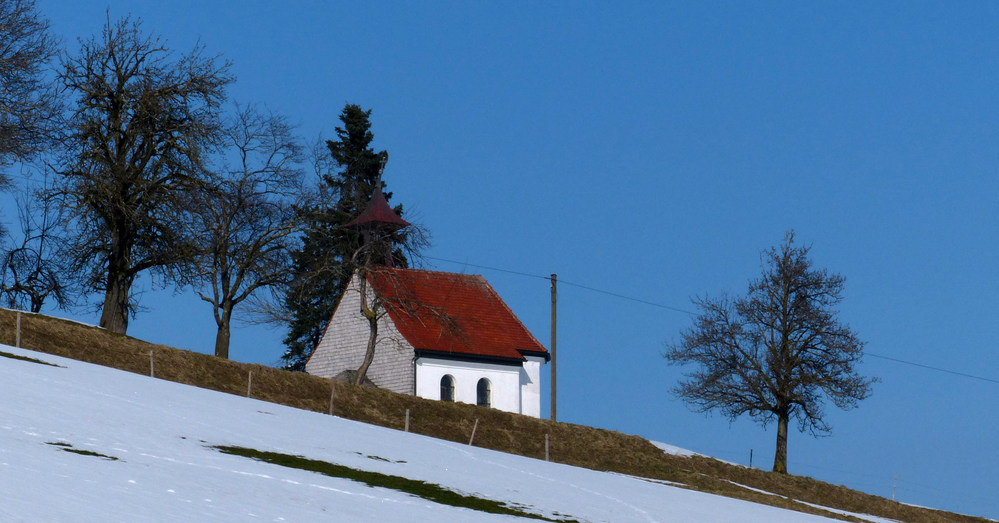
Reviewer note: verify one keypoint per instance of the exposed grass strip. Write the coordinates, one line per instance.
(428, 491)
(25, 358)
(69, 448)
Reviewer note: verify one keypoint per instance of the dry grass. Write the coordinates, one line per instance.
(570, 444)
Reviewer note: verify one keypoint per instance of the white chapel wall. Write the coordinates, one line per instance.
(504, 381)
(530, 386)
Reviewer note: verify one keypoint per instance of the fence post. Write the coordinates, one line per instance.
(17, 339)
(547, 447)
(249, 384)
(152, 365)
(407, 420)
(470, 440)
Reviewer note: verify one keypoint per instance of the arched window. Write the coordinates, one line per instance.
(447, 388)
(483, 396)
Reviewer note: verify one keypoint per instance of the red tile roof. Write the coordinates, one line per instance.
(453, 313)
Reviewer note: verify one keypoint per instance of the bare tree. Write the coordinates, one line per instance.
(369, 260)
(142, 124)
(776, 353)
(28, 103)
(245, 224)
(32, 271)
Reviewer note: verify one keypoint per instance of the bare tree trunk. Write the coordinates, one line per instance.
(780, 456)
(223, 334)
(114, 314)
(37, 300)
(369, 355)
(372, 316)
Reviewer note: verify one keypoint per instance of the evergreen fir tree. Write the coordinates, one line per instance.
(323, 264)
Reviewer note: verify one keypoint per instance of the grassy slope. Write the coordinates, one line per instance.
(571, 444)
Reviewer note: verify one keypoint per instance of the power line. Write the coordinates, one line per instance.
(938, 369)
(623, 297)
(563, 282)
(490, 268)
(677, 309)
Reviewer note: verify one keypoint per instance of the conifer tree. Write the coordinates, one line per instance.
(323, 264)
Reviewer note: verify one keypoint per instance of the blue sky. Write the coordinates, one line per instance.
(652, 150)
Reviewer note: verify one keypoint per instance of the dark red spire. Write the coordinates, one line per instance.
(378, 213)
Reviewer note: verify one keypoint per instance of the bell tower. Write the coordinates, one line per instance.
(377, 224)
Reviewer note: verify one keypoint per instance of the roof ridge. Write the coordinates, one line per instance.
(430, 271)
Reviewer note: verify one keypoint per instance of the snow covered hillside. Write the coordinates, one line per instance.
(80, 442)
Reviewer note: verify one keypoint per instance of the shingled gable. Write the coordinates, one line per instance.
(453, 314)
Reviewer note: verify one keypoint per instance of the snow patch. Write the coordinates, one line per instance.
(166, 430)
(676, 451)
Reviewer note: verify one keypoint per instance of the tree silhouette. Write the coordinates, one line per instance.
(776, 353)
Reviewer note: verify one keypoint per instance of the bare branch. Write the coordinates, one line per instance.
(34, 271)
(29, 105)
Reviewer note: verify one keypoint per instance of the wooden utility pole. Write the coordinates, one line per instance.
(554, 279)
